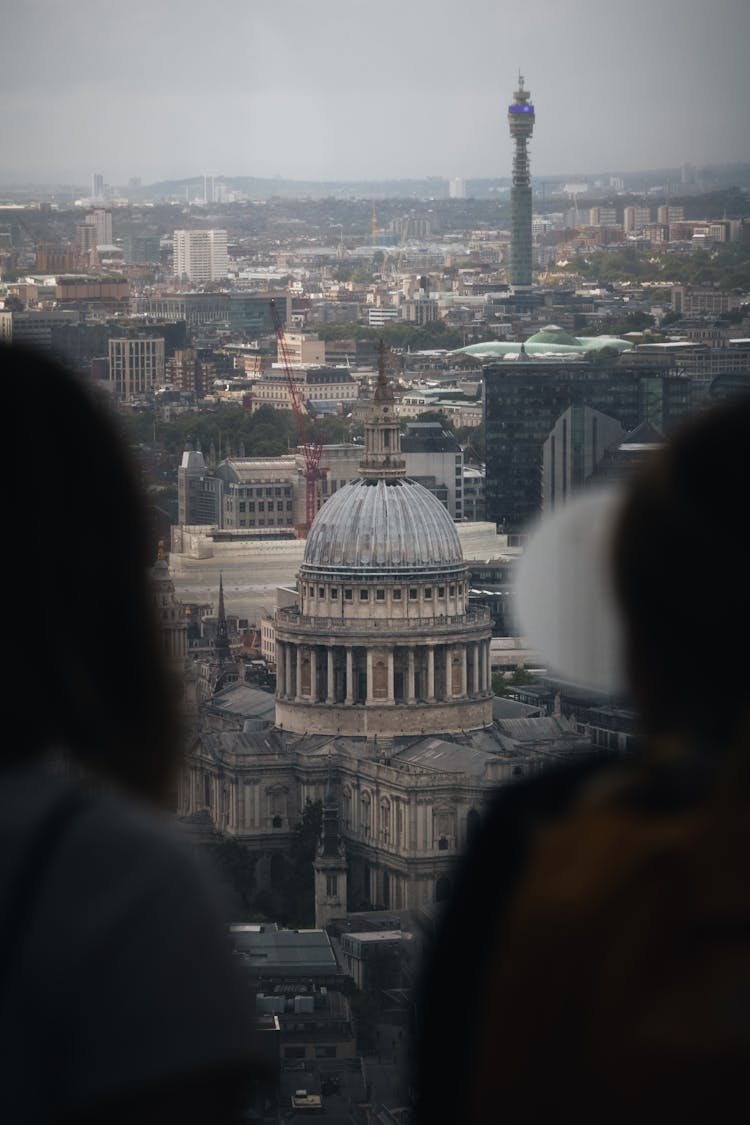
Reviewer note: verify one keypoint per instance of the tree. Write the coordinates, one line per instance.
(521, 677)
(498, 683)
(434, 416)
(332, 429)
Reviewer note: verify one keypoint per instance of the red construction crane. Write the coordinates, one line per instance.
(312, 448)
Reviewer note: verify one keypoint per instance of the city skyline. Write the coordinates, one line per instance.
(338, 91)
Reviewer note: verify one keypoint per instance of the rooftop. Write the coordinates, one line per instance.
(269, 951)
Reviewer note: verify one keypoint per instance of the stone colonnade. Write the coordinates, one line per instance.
(350, 674)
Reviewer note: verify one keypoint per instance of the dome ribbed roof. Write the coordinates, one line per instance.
(553, 334)
(372, 524)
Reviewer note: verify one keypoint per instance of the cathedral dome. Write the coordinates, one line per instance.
(382, 640)
(382, 525)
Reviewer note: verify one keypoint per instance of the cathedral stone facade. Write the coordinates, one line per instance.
(383, 704)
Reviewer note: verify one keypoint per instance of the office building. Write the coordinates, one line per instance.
(603, 217)
(248, 315)
(54, 257)
(136, 366)
(435, 459)
(635, 218)
(524, 398)
(258, 496)
(33, 328)
(185, 372)
(670, 213)
(324, 387)
(200, 255)
(573, 452)
(101, 220)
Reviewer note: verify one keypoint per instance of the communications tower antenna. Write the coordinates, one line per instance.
(521, 122)
(311, 448)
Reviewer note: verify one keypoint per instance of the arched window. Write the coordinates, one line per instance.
(366, 814)
(385, 819)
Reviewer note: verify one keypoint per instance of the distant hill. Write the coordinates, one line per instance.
(658, 183)
(431, 187)
(713, 178)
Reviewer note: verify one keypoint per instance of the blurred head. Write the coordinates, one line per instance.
(92, 677)
(681, 576)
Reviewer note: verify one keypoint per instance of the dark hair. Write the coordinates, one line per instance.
(681, 574)
(91, 674)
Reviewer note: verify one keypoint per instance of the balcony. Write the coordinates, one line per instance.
(291, 618)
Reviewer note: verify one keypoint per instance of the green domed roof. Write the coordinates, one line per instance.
(553, 334)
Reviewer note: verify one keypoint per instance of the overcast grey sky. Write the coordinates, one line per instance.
(343, 89)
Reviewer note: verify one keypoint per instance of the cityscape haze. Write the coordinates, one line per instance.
(341, 90)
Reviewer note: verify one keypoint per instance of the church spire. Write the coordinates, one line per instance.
(382, 459)
(221, 643)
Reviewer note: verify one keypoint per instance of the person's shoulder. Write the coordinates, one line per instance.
(548, 793)
(92, 853)
(123, 943)
(124, 850)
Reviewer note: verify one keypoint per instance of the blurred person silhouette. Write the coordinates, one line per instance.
(119, 996)
(594, 961)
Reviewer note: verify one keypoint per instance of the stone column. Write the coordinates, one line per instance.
(349, 675)
(280, 669)
(448, 673)
(330, 685)
(391, 681)
(487, 662)
(298, 685)
(369, 696)
(477, 661)
(287, 669)
(314, 673)
(430, 674)
(464, 672)
(410, 676)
